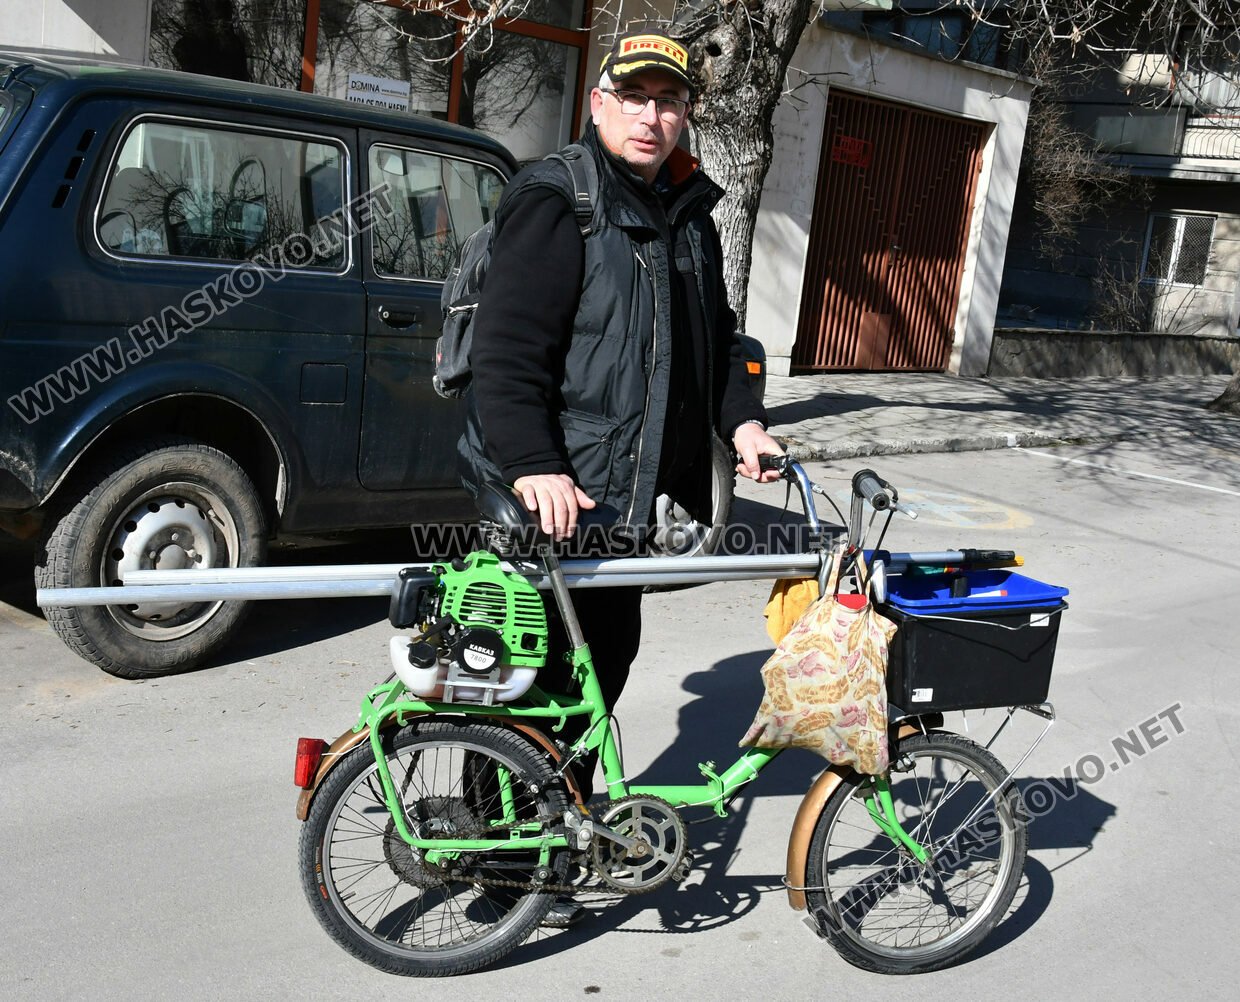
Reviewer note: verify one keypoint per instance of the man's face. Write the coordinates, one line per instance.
(642, 141)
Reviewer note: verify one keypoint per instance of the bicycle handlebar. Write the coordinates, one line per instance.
(867, 487)
(866, 484)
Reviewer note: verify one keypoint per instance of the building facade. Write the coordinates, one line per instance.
(883, 221)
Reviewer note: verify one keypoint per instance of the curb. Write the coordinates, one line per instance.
(802, 451)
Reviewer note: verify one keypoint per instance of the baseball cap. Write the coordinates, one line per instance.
(635, 53)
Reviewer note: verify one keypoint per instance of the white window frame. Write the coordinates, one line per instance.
(1180, 220)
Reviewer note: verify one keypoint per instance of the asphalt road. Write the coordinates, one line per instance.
(149, 841)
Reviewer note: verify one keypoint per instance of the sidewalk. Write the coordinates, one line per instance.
(841, 415)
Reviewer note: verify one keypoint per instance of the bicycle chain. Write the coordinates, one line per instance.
(535, 885)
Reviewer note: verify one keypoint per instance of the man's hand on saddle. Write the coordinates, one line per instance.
(751, 441)
(555, 500)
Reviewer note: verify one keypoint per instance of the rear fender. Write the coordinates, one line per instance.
(350, 739)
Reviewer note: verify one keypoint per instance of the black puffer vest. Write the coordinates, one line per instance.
(614, 395)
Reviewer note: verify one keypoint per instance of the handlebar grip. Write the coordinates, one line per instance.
(777, 463)
(867, 485)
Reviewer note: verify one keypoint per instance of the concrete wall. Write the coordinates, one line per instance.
(827, 59)
(1106, 257)
(99, 27)
(1066, 354)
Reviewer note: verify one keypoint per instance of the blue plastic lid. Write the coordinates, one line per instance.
(996, 589)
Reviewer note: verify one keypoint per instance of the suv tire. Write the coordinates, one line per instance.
(677, 533)
(167, 503)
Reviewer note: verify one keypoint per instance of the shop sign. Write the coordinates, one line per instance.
(378, 92)
(852, 151)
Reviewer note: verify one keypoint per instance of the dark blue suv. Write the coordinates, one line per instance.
(218, 311)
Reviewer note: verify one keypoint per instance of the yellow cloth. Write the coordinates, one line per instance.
(790, 597)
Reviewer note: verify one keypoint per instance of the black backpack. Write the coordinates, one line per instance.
(462, 289)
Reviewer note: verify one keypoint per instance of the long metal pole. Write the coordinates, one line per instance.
(379, 580)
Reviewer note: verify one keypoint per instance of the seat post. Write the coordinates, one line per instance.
(563, 600)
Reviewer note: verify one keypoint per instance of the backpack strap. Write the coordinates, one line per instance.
(583, 173)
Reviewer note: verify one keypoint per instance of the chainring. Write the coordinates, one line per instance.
(660, 852)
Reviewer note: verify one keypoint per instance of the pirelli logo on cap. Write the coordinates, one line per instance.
(655, 45)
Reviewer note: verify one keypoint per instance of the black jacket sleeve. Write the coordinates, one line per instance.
(521, 331)
(737, 402)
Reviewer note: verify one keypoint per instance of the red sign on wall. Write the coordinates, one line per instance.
(852, 151)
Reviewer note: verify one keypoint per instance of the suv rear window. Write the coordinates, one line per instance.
(186, 190)
(437, 202)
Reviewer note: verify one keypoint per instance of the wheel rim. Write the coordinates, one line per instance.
(172, 527)
(887, 903)
(676, 532)
(397, 902)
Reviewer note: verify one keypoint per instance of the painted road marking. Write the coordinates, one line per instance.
(957, 511)
(1132, 473)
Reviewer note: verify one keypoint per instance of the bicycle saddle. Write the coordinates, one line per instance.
(497, 503)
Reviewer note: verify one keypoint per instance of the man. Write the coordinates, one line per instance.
(602, 363)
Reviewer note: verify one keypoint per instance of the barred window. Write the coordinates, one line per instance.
(1177, 248)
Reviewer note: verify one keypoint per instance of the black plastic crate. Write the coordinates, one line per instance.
(962, 652)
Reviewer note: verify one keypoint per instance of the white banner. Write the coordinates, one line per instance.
(378, 92)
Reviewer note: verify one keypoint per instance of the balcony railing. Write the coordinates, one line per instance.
(1211, 137)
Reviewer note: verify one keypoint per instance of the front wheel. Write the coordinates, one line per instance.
(878, 906)
(382, 900)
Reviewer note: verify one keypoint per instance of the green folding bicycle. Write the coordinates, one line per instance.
(440, 828)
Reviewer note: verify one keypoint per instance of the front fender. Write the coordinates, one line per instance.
(806, 821)
(350, 739)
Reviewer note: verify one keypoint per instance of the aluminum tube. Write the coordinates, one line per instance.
(776, 562)
(346, 581)
(250, 575)
(357, 588)
(254, 591)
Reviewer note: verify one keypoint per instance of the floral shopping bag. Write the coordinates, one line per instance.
(826, 682)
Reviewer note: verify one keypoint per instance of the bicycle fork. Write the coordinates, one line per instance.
(883, 813)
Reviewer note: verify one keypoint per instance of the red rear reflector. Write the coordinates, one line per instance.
(309, 753)
(753, 368)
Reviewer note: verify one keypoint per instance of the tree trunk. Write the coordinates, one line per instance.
(1229, 401)
(742, 62)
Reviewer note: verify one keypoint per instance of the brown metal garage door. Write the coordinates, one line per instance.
(887, 241)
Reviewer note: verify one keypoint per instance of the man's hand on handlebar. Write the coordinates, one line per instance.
(751, 442)
(554, 499)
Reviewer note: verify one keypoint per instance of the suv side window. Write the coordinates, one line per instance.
(186, 190)
(437, 202)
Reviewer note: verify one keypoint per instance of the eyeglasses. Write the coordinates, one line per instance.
(633, 102)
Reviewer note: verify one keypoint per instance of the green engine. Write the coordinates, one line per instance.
(482, 598)
(483, 632)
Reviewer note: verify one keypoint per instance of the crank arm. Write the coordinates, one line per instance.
(616, 837)
(585, 830)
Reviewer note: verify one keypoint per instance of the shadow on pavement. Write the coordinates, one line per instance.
(1063, 816)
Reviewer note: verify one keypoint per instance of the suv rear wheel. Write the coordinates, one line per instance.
(679, 534)
(169, 504)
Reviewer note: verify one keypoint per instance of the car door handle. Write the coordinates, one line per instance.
(401, 320)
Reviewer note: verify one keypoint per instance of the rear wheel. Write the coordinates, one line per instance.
(677, 533)
(381, 900)
(882, 909)
(167, 504)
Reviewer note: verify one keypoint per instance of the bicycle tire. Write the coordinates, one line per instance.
(879, 908)
(378, 899)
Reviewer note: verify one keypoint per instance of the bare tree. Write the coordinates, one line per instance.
(254, 40)
(1163, 52)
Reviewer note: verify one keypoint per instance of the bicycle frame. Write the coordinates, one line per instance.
(388, 701)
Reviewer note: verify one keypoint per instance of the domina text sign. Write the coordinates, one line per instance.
(378, 92)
